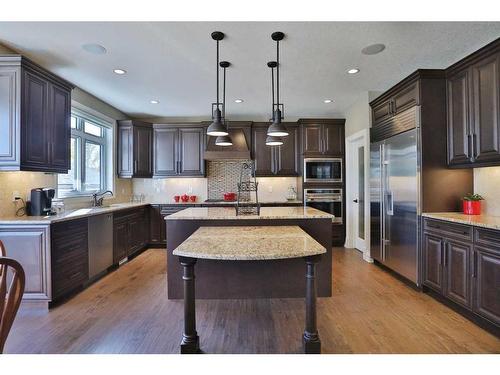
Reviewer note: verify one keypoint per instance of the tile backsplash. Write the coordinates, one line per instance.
(487, 183)
(223, 177)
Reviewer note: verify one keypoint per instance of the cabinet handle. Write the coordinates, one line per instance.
(180, 166)
(474, 264)
(474, 148)
(135, 166)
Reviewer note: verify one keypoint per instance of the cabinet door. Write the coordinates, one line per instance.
(333, 136)
(486, 273)
(458, 119)
(34, 137)
(381, 112)
(191, 148)
(433, 253)
(143, 143)
(120, 240)
(9, 117)
(262, 154)
(312, 140)
(457, 261)
(125, 151)
(287, 155)
(60, 131)
(165, 151)
(485, 92)
(406, 98)
(154, 224)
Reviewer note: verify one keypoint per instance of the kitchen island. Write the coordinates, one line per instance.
(280, 278)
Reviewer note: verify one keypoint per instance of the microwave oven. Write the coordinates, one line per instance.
(322, 170)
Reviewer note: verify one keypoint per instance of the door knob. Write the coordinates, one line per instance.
(355, 200)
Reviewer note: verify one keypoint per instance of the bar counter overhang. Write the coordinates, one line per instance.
(283, 278)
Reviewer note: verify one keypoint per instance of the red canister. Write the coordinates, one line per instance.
(472, 207)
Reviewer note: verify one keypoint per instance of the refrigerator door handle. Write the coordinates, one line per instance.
(382, 199)
(390, 203)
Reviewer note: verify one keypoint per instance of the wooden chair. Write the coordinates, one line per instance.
(10, 297)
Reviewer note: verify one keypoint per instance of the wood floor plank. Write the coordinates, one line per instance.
(128, 312)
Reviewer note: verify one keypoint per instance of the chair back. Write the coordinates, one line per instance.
(3, 252)
(10, 296)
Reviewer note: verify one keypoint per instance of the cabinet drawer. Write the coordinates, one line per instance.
(69, 279)
(165, 210)
(488, 238)
(66, 228)
(447, 229)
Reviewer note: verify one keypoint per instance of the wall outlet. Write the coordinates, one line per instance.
(15, 195)
(270, 188)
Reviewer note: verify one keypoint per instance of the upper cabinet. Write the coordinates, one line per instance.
(473, 109)
(273, 161)
(323, 137)
(135, 143)
(35, 111)
(178, 150)
(395, 102)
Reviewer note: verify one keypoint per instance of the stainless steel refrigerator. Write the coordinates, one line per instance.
(395, 201)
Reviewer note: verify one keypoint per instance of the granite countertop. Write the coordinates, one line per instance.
(229, 213)
(69, 214)
(484, 221)
(223, 203)
(252, 243)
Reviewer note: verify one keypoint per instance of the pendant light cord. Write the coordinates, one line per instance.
(217, 74)
(272, 92)
(224, 97)
(278, 73)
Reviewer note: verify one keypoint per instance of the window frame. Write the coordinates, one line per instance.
(82, 138)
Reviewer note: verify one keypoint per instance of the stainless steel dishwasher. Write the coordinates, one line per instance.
(100, 243)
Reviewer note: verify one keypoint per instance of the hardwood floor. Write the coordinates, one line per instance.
(128, 312)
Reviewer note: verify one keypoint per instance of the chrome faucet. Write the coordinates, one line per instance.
(97, 202)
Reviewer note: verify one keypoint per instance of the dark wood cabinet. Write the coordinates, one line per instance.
(273, 161)
(158, 231)
(394, 101)
(473, 109)
(178, 151)
(432, 267)
(462, 264)
(131, 232)
(35, 113)
(135, 149)
(457, 257)
(69, 256)
(323, 137)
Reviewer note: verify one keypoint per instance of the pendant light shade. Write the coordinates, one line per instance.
(217, 128)
(273, 141)
(276, 129)
(223, 140)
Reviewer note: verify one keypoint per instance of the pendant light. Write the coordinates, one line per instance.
(224, 140)
(276, 128)
(272, 140)
(217, 127)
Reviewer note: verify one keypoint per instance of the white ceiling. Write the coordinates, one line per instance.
(174, 62)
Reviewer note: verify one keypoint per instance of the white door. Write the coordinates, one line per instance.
(358, 201)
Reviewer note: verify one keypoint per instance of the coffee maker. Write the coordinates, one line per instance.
(41, 202)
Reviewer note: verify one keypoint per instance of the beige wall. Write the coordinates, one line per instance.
(487, 183)
(358, 116)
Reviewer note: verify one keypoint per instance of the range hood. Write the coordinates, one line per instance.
(240, 149)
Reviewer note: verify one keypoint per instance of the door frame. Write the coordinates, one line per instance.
(351, 172)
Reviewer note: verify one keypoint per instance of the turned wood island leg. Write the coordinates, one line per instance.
(190, 343)
(311, 341)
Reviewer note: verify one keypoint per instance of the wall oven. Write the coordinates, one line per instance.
(322, 170)
(327, 200)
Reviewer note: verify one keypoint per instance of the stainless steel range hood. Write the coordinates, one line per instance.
(240, 135)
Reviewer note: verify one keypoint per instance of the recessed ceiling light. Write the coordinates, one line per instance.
(328, 101)
(94, 48)
(119, 71)
(238, 101)
(353, 71)
(154, 101)
(373, 49)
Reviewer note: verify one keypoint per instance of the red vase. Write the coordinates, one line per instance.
(472, 207)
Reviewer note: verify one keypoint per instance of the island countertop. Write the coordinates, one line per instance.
(229, 213)
(254, 243)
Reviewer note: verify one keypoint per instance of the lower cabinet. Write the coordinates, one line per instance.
(130, 232)
(69, 256)
(462, 264)
(158, 226)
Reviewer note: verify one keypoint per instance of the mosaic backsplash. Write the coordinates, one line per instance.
(223, 177)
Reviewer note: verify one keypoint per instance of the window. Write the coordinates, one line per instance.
(88, 173)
